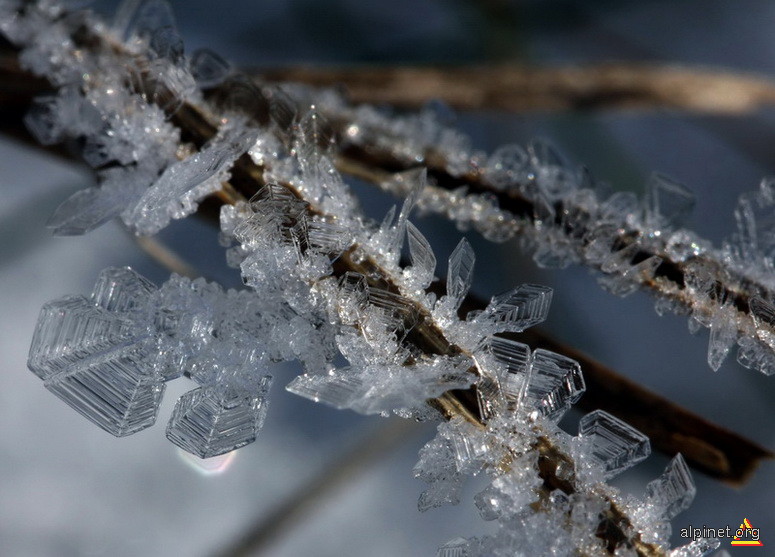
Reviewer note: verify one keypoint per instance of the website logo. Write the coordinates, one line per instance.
(747, 535)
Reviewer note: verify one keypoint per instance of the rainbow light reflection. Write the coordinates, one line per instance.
(208, 466)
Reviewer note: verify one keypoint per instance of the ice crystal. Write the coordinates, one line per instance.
(109, 357)
(615, 445)
(208, 68)
(324, 283)
(555, 382)
(460, 273)
(667, 203)
(518, 309)
(99, 356)
(674, 490)
(217, 419)
(697, 548)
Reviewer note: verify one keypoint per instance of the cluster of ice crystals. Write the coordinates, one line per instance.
(98, 356)
(699, 548)
(541, 383)
(565, 216)
(104, 105)
(753, 244)
(506, 449)
(176, 192)
(109, 356)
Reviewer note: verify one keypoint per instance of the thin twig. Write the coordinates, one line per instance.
(520, 89)
(367, 452)
(166, 257)
(375, 158)
(503, 87)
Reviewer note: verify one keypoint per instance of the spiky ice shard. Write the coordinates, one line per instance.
(381, 388)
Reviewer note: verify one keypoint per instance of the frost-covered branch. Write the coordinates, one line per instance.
(718, 452)
(322, 281)
(560, 213)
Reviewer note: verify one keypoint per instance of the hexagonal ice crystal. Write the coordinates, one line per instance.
(674, 490)
(120, 392)
(216, 419)
(516, 310)
(71, 329)
(554, 384)
(615, 445)
(99, 354)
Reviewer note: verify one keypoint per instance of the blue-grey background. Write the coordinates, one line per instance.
(67, 488)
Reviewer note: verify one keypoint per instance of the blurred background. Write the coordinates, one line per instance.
(68, 488)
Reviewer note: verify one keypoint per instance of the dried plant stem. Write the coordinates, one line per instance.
(611, 86)
(247, 178)
(166, 257)
(520, 89)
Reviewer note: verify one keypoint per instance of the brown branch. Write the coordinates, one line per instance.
(247, 178)
(519, 89)
(166, 257)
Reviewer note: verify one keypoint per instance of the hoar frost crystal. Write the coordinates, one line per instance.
(324, 281)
